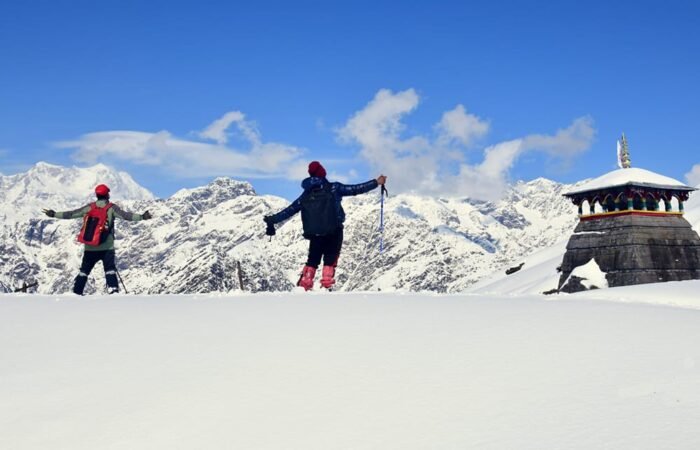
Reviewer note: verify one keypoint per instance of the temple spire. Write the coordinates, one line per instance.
(623, 153)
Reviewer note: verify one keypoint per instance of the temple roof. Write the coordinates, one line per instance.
(632, 176)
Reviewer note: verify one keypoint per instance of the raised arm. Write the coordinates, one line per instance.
(356, 189)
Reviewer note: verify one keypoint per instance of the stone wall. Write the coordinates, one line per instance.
(634, 249)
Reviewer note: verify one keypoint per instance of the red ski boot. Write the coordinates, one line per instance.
(327, 280)
(307, 278)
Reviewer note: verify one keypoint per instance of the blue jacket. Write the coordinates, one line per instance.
(340, 190)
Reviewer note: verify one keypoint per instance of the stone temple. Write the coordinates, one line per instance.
(631, 225)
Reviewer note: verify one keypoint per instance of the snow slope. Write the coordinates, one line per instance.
(683, 294)
(361, 371)
(538, 274)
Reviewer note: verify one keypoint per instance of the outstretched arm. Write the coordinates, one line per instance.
(73, 214)
(126, 215)
(286, 213)
(356, 189)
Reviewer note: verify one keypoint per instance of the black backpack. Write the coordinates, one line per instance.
(319, 215)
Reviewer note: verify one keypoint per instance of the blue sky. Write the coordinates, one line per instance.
(446, 98)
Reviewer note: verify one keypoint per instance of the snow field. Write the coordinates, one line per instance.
(361, 371)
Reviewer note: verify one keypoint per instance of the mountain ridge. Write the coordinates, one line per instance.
(199, 236)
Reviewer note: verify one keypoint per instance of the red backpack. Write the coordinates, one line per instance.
(95, 228)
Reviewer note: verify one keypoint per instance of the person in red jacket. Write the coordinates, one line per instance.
(322, 217)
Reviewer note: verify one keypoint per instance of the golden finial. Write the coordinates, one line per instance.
(623, 153)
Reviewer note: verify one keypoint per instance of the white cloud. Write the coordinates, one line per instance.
(189, 158)
(488, 179)
(693, 177)
(565, 143)
(433, 165)
(458, 125)
(216, 131)
(378, 126)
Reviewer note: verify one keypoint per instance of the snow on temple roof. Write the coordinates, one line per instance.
(632, 175)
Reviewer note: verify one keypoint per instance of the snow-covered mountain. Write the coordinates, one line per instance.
(23, 195)
(199, 237)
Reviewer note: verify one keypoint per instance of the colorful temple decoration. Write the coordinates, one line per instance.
(629, 191)
(632, 197)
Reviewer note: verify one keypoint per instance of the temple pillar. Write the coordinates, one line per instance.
(592, 207)
(680, 205)
(644, 204)
(668, 205)
(630, 203)
(617, 204)
(580, 209)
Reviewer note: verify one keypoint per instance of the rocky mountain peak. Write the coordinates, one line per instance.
(216, 192)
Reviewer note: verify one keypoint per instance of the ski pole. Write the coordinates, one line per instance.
(120, 279)
(381, 220)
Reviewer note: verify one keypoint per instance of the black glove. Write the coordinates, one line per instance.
(49, 212)
(270, 226)
(146, 216)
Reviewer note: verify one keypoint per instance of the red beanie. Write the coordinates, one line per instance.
(102, 190)
(317, 170)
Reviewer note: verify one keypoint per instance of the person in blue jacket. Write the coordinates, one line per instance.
(322, 217)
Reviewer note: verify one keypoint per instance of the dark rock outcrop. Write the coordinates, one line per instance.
(512, 270)
(575, 284)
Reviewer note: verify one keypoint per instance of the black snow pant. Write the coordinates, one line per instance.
(327, 247)
(90, 258)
